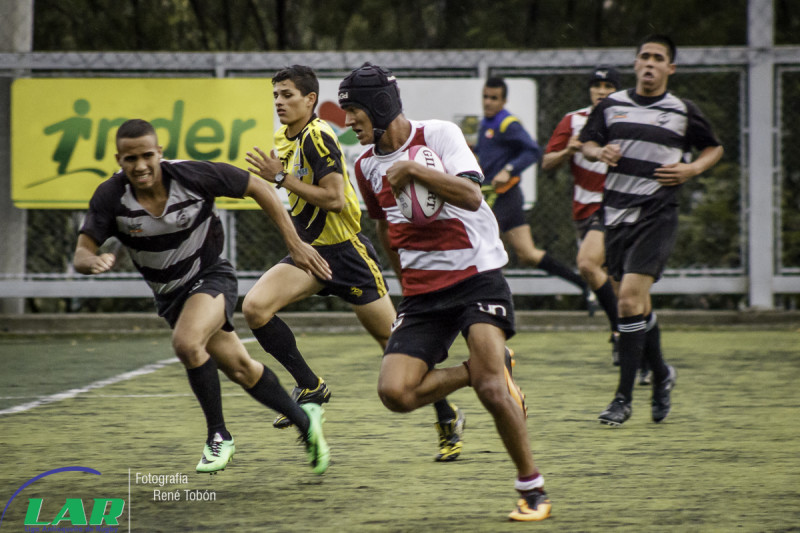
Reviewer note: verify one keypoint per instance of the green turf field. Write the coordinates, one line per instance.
(727, 458)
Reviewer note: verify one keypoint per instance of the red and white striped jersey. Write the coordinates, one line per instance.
(459, 243)
(589, 177)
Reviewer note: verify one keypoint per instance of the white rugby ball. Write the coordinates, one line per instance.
(416, 202)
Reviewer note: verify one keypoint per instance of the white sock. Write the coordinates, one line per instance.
(535, 483)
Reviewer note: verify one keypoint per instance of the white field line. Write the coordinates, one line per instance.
(125, 376)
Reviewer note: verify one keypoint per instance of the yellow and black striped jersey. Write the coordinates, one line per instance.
(311, 155)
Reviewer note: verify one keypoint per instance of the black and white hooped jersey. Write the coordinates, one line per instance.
(651, 132)
(172, 248)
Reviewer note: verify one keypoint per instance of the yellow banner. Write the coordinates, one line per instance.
(63, 130)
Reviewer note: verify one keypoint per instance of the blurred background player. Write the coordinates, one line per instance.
(504, 151)
(587, 198)
(163, 212)
(451, 271)
(645, 135)
(310, 166)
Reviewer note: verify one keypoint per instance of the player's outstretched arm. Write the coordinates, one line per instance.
(303, 254)
(86, 259)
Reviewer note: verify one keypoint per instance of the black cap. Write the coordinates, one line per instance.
(605, 73)
(373, 89)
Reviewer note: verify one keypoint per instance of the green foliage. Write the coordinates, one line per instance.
(790, 177)
(251, 25)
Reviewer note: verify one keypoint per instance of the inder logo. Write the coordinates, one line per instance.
(63, 130)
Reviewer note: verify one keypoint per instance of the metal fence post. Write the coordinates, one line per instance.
(761, 137)
(16, 35)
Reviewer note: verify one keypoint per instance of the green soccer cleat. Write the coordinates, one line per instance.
(318, 396)
(216, 455)
(451, 433)
(317, 450)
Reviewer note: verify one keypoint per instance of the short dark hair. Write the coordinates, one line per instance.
(135, 128)
(495, 82)
(660, 38)
(303, 77)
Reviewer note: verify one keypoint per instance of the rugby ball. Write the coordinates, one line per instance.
(416, 202)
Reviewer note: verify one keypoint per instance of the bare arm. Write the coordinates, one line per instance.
(553, 160)
(303, 254)
(382, 228)
(455, 190)
(328, 194)
(608, 154)
(86, 259)
(678, 173)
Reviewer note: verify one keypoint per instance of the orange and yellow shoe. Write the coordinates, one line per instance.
(532, 507)
(513, 388)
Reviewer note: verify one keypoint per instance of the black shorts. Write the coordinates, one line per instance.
(508, 209)
(643, 247)
(593, 222)
(357, 277)
(217, 279)
(427, 324)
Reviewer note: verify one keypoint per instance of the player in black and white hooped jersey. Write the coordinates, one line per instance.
(164, 213)
(645, 135)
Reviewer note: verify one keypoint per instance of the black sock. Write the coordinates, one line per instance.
(653, 356)
(277, 339)
(608, 301)
(268, 391)
(204, 381)
(557, 268)
(444, 411)
(631, 346)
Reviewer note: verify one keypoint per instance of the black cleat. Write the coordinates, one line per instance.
(617, 412)
(451, 434)
(661, 403)
(318, 396)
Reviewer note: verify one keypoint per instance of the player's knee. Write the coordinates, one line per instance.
(491, 390)
(241, 373)
(395, 398)
(590, 271)
(629, 306)
(586, 267)
(188, 350)
(255, 312)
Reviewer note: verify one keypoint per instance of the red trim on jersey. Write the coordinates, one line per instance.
(439, 235)
(385, 197)
(417, 281)
(587, 179)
